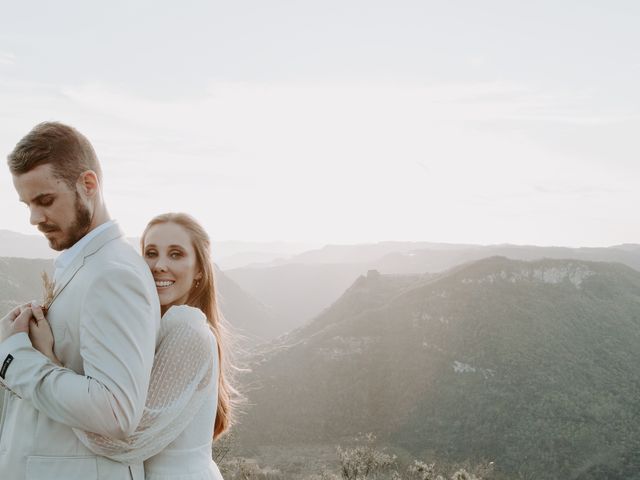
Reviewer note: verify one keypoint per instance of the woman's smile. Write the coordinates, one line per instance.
(164, 283)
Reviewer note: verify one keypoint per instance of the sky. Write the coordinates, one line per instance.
(341, 121)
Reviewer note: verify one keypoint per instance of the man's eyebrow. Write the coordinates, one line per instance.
(37, 198)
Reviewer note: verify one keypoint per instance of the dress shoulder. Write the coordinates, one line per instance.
(184, 313)
(181, 317)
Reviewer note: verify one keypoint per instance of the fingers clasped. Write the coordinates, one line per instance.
(21, 323)
(19, 319)
(36, 310)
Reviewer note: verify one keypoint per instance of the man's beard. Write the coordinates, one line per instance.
(78, 229)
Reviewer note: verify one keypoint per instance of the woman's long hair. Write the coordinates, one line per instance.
(203, 296)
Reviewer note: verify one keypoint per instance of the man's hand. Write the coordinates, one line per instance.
(16, 321)
(41, 335)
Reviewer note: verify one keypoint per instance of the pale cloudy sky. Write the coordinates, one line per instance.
(340, 120)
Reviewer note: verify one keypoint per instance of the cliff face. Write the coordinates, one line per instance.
(529, 364)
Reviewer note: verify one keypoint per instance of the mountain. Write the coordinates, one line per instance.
(368, 252)
(227, 254)
(298, 289)
(440, 259)
(237, 254)
(249, 259)
(419, 257)
(295, 293)
(13, 244)
(20, 281)
(251, 320)
(530, 364)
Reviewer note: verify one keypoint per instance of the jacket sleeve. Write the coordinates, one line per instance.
(117, 342)
(183, 378)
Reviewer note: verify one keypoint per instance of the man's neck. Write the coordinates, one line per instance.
(100, 216)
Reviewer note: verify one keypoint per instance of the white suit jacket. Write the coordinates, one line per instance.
(105, 319)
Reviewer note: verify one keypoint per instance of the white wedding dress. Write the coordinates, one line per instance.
(174, 437)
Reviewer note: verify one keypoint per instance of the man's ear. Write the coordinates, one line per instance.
(88, 183)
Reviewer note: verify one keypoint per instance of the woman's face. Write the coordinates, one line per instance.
(172, 259)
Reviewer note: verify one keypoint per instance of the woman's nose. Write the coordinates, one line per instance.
(160, 266)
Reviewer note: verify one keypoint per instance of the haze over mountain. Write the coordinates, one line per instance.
(418, 257)
(530, 364)
(226, 254)
(13, 244)
(300, 288)
(251, 319)
(294, 288)
(295, 293)
(367, 252)
(20, 281)
(439, 259)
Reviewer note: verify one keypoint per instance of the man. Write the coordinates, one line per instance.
(105, 318)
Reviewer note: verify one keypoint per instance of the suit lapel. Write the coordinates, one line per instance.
(92, 247)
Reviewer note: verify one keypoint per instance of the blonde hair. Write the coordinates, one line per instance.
(203, 296)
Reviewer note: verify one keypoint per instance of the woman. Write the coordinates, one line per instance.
(189, 402)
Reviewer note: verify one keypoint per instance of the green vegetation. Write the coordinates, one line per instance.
(532, 364)
(362, 460)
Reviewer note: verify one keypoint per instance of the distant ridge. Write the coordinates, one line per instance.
(20, 281)
(13, 244)
(299, 288)
(227, 254)
(530, 364)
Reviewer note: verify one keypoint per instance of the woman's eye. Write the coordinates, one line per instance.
(175, 254)
(150, 254)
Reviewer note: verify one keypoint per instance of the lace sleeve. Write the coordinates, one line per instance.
(182, 378)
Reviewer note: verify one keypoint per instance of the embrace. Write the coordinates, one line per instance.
(122, 373)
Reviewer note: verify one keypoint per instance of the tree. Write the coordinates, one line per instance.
(364, 461)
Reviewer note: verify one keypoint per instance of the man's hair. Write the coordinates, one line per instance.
(63, 147)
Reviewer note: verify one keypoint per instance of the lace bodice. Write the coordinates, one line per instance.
(177, 423)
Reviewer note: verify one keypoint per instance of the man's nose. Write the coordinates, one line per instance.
(36, 216)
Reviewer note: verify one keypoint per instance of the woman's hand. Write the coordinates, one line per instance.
(41, 335)
(16, 321)
(6, 324)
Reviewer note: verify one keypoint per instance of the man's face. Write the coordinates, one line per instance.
(58, 211)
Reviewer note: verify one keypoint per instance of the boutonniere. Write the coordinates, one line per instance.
(48, 286)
